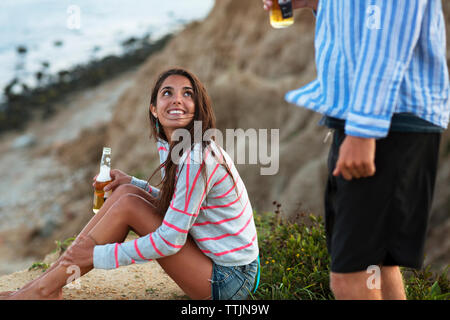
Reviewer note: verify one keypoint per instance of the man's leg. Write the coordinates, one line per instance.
(392, 287)
(353, 286)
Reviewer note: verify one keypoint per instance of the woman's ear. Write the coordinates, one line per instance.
(153, 111)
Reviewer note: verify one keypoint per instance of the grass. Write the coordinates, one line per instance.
(295, 263)
(61, 246)
(294, 259)
(39, 266)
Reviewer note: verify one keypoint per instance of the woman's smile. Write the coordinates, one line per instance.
(176, 113)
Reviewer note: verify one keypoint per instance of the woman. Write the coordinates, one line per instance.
(199, 227)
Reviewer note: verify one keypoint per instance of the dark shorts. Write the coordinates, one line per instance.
(382, 220)
(233, 283)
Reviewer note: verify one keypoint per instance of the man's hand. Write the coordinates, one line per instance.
(296, 4)
(356, 158)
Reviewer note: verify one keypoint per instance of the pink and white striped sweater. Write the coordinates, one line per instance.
(219, 218)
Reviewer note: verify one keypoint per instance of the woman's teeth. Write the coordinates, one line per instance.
(176, 112)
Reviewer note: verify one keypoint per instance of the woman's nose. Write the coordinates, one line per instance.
(178, 97)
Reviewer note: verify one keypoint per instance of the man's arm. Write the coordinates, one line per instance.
(385, 53)
(390, 34)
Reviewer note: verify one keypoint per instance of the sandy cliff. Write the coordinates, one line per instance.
(247, 66)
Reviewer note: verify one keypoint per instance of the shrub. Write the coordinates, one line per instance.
(295, 263)
(294, 259)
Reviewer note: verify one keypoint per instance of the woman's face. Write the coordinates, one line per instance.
(175, 104)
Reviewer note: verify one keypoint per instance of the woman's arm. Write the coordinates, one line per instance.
(171, 236)
(119, 177)
(145, 186)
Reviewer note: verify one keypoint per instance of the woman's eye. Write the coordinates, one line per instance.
(166, 93)
(188, 94)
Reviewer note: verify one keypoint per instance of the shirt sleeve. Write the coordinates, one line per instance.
(146, 186)
(190, 190)
(390, 34)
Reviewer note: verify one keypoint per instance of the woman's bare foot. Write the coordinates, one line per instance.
(5, 294)
(33, 292)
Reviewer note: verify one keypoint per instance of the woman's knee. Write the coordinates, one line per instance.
(125, 201)
(130, 203)
(126, 189)
(135, 211)
(122, 190)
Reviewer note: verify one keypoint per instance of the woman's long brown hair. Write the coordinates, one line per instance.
(203, 112)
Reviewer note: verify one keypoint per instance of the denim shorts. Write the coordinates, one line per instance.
(234, 282)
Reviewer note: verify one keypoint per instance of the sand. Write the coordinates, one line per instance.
(147, 281)
(135, 282)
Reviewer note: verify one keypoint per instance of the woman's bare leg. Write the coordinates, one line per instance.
(118, 192)
(189, 268)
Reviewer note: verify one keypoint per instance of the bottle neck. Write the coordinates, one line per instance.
(105, 174)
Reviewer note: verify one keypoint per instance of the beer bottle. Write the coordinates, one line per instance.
(103, 179)
(281, 14)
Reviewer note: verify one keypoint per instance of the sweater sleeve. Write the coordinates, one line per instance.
(386, 51)
(146, 186)
(190, 191)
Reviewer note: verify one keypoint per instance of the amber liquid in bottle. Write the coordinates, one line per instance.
(281, 16)
(99, 195)
(102, 180)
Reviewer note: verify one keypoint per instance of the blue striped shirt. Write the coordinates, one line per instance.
(375, 58)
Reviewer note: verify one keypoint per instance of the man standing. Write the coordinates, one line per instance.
(383, 87)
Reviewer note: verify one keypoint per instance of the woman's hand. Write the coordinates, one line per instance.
(119, 177)
(296, 4)
(80, 253)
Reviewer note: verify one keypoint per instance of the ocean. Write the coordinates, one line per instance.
(53, 35)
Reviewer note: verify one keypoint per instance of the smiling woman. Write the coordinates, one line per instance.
(199, 227)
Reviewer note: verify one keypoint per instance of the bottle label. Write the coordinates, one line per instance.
(286, 8)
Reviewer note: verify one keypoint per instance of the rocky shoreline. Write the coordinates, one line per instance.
(45, 189)
(39, 102)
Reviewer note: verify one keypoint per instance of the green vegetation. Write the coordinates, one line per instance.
(62, 246)
(295, 263)
(426, 285)
(39, 266)
(294, 259)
